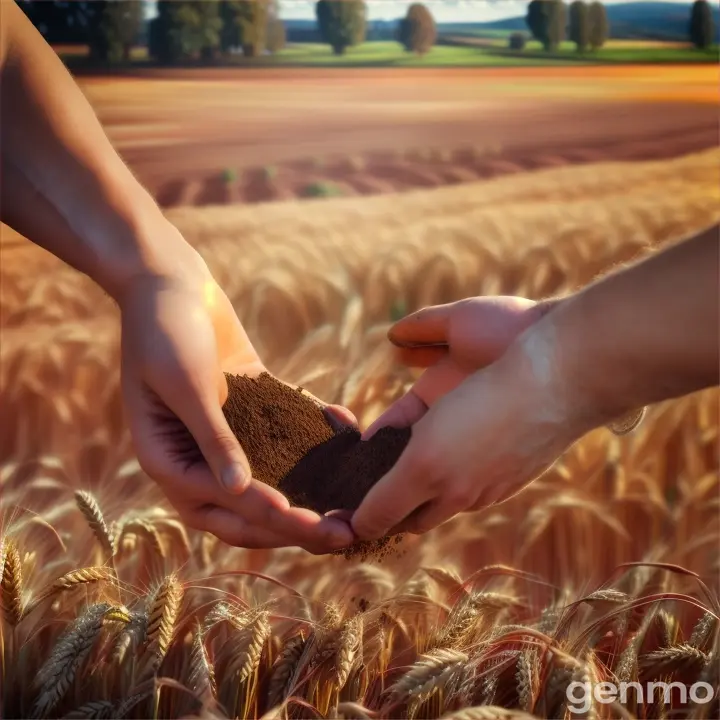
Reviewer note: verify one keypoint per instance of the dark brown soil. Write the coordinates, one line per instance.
(292, 446)
(275, 424)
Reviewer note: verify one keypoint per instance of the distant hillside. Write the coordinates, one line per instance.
(306, 30)
(634, 20)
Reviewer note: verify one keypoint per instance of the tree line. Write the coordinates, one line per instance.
(207, 29)
(587, 25)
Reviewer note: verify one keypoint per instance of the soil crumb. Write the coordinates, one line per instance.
(292, 446)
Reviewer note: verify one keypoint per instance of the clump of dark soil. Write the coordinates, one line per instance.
(292, 446)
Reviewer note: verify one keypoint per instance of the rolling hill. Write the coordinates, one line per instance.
(649, 19)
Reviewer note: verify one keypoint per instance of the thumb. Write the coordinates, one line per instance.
(218, 444)
(428, 325)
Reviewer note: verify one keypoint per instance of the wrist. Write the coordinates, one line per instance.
(558, 364)
(594, 386)
(133, 241)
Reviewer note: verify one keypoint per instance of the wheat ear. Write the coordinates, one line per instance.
(429, 674)
(69, 653)
(163, 614)
(88, 506)
(96, 710)
(250, 641)
(12, 584)
(69, 581)
(349, 645)
(284, 668)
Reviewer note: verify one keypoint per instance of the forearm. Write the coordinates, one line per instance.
(57, 161)
(643, 334)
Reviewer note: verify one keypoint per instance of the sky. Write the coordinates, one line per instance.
(442, 10)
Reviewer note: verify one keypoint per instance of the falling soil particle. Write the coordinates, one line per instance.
(292, 446)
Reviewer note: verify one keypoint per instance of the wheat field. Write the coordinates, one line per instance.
(604, 569)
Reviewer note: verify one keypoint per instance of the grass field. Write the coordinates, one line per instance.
(113, 609)
(464, 51)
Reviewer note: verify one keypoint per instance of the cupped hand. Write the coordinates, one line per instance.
(452, 341)
(180, 334)
(479, 444)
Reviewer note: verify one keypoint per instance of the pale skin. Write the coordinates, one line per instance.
(66, 189)
(519, 383)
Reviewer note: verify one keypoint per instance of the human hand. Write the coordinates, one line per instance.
(480, 443)
(180, 334)
(452, 341)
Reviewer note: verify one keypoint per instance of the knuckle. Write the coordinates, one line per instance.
(225, 441)
(458, 498)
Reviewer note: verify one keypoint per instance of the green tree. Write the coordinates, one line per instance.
(599, 29)
(417, 31)
(341, 23)
(276, 35)
(113, 28)
(579, 26)
(245, 24)
(546, 21)
(701, 25)
(185, 29)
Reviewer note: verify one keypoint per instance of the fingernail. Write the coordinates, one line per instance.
(235, 478)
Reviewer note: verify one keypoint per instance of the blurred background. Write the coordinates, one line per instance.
(340, 164)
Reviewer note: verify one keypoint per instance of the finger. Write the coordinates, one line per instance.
(430, 515)
(404, 488)
(402, 413)
(219, 446)
(427, 325)
(339, 417)
(438, 380)
(293, 527)
(419, 357)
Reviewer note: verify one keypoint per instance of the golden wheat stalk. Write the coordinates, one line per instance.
(202, 673)
(12, 584)
(249, 647)
(142, 528)
(284, 668)
(488, 712)
(70, 580)
(89, 507)
(163, 615)
(671, 659)
(134, 633)
(432, 672)
(350, 643)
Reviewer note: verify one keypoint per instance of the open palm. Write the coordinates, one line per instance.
(179, 337)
